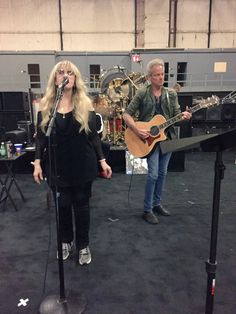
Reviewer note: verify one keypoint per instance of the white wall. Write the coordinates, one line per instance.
(156, 24)
(109, 25)
(224, 24)
(192, 23)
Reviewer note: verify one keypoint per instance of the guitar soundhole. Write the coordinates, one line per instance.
(154, 131)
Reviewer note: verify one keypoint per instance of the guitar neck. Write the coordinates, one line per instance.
(178, 117)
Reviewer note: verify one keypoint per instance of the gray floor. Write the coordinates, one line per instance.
(136, 268)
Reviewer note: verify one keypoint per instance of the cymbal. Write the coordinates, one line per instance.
(132, 76)
(117, 93)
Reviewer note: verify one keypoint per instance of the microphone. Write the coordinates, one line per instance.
(64, 82)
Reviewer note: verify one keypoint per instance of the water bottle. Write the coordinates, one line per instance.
(9, 149)
(3, 151)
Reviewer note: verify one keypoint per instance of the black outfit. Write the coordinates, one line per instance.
(74, 166)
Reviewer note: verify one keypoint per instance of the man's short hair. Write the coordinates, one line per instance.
(153, 62)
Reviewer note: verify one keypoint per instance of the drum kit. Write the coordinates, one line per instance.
(117, 90)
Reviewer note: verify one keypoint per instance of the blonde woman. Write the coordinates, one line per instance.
(75, 148)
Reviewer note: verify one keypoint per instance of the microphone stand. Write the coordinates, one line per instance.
(54, 304)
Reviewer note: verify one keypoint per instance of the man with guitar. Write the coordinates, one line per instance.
(151, 101)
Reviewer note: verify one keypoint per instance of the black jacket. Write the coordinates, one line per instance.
(74, 154)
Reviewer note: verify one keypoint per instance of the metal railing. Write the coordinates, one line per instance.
(192, 82)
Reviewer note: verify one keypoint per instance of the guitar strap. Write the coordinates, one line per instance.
(168, 101)
(167, 96)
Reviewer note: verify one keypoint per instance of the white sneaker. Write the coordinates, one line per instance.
(85, 256)
(66, 250)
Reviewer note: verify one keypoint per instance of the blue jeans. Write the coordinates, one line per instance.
(157, 170)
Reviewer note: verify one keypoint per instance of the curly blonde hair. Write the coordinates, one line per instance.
(82, 104)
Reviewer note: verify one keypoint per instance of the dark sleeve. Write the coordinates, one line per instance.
(94, 137)
(40, 139)
(134, 105)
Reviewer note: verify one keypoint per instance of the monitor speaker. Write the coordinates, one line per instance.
(185, 101)
(228, 112)
(199, 115)
(9, 120)
(14, 101)
(28, 127)
(213, 113)
(16, 136)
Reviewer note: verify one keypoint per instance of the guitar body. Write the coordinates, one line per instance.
(141, 148)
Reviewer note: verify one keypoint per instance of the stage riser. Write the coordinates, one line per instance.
(117, 160)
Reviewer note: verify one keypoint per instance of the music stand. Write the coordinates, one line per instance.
(209, 143)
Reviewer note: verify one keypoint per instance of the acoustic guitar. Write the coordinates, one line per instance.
(156, 127)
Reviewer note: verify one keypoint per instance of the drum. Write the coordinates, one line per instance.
(132, 77)
(115, 123)
(108, 78)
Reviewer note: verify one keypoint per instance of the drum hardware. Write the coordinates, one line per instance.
(142, 79)
(114, 126)
(130, 79)
(134, 81)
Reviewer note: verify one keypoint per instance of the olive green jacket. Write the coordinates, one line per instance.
(143, 104)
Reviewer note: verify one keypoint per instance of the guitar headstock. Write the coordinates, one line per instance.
(210, 102)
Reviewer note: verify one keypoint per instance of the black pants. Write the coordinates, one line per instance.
(74, 200)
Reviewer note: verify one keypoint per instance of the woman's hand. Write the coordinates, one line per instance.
(106, 169)
(38, 173)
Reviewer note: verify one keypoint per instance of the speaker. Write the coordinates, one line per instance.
(208, 130)
(228, 112)
(2, 133)
(15, 101)
(184, 101)
(116, 159)
(16, 136)
(213, 113)
(199, 115)
(28, 127)
(9, 119)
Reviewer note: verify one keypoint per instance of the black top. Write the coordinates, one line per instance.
(76, 152)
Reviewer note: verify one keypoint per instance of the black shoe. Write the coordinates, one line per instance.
(159, 209)
(150, 218)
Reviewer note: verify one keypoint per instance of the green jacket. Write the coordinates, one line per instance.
(142, 106)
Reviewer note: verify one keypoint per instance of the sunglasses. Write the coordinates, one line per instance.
(63, 72)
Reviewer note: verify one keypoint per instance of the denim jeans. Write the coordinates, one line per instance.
(157, 170)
